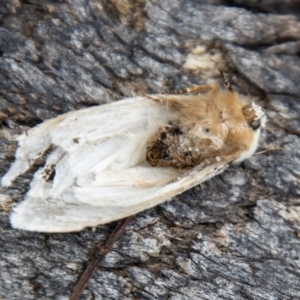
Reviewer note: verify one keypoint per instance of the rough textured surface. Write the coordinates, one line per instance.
(234, 237)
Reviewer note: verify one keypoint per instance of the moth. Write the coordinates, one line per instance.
(108, 162)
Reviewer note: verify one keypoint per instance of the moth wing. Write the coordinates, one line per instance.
(72, 133)
(112, 196)
(96, 157)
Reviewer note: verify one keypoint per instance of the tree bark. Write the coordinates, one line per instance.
(233, 237)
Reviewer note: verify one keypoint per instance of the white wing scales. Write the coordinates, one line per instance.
(98, 155)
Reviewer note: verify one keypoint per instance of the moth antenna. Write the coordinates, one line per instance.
(267, 150)
(225, 80)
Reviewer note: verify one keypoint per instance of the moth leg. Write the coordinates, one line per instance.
(227, 159)
(207, 162)
(171, 101)
(196, 169)
(191, 90)
(156, 98)
(174, 98)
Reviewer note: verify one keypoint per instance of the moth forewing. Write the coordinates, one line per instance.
(74, 210)
(108, 162)
(77, 131)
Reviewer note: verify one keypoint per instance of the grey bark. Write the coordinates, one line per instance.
(233, 237)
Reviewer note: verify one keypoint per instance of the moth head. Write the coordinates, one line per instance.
(255, 116)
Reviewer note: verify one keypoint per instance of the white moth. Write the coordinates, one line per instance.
(108, 162)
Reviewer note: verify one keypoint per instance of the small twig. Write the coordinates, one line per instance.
(93, 265)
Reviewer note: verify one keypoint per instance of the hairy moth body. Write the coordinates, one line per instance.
(108, 162)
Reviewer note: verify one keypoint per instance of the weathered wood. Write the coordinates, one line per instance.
(234, 237)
